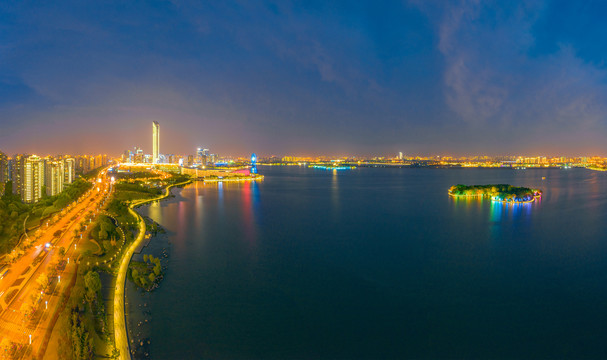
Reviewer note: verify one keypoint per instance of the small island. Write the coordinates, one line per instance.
(499, 192)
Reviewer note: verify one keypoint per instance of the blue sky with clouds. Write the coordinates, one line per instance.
(338, 77)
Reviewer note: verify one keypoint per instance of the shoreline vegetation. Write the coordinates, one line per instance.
(85, 328)
(498, 192)
(120, 328)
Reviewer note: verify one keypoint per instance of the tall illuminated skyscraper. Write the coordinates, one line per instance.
(155, 141)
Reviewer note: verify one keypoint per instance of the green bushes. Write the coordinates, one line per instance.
(146, 274)
(104, 229)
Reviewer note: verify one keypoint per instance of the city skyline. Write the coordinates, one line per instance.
(415, 77)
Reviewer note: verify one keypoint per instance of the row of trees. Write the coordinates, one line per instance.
(136, 175)
(14, 212)
(86, 319)
(138, 186)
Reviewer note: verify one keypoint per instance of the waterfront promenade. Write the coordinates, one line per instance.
(120, 331)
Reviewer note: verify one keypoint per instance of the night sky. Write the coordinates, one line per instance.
(335, 77)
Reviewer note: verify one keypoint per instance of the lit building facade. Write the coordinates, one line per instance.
(155, 141)
(3, 168)
(32, 178)
(69, 170)
(54, 177)
(18, 165)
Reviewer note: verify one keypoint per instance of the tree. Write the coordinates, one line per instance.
(115, 353)
(157, 269)
(103, 235)
(8, 189)
(92, 283)
(62, 251)
(42, 280)
(107, 246)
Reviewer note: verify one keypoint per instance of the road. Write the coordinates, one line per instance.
(28, 331)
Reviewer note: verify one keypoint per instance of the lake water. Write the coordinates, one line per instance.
(382, 263)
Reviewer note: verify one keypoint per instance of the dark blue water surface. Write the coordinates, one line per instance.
(382, 263)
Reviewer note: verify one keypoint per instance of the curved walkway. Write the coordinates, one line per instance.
(120, 332)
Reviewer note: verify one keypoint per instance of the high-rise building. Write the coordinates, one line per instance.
(83, 164)
(400, 155)
(155, 141)
(3, 168)
(54, 177)
(69, 166)
(99, 161)
(138, 155)
(127, 156)
(32, 178)
(18, 164)
(202, 156)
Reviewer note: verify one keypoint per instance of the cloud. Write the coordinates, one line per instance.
(491, 79)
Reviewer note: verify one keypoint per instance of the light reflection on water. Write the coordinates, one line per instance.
(496, 211)
(335, 203)
(382, 263)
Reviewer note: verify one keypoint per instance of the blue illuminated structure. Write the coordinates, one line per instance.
(322, 167)
(253, 163)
